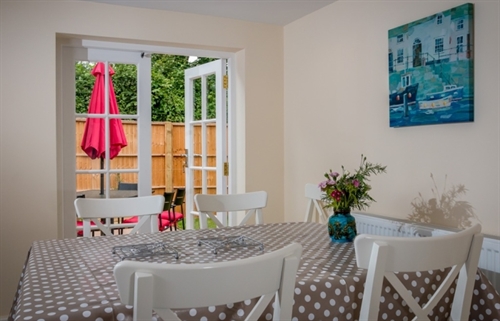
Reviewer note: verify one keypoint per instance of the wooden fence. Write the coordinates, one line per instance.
(167, 152)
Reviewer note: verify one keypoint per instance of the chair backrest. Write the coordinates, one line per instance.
(169, 198)
(127, 186)
(252, 203)
(384, 255)
(315, 206)
(162, 287)
(95, 209)
(179, 196)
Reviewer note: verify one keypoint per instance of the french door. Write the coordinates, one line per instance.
(205, 120)
(97, 174)
(207, 117)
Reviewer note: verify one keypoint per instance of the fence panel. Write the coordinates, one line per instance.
(167, 152)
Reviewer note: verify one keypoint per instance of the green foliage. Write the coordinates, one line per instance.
(84, 84)
(345, 191)
(167, 87)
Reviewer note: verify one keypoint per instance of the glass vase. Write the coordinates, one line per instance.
(342, 227)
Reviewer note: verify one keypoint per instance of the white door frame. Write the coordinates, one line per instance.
(66, 98)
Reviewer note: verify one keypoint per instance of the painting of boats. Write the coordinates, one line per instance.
(454, 91)
(431, 65)
(435, 103)
(409, 93)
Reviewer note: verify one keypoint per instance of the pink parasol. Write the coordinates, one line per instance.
(93, 141)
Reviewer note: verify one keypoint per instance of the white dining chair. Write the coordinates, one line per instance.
(252, 203)
(315, 208)
(92, 210)
(163, 287)
(384, 255)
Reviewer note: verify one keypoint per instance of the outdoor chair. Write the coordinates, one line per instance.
(168, 217)
(95, 209)
(127, 186)
(162, 287)
(315, 207)
(252, 203)
(385, 255)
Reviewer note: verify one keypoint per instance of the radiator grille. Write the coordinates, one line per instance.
(489, 260)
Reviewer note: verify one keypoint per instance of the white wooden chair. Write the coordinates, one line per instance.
(315, 207)
(95, 209)
(384, 255)
(252, 203)
(162, 287)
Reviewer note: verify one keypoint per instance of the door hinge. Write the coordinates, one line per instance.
(225, 82)
(226, 169)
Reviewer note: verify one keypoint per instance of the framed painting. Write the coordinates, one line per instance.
(431, 69)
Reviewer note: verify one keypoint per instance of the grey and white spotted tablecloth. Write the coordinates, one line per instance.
(72, 279)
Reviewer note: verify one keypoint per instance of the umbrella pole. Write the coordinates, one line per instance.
(102, 177)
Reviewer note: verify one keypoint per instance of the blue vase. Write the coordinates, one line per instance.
(342, 227)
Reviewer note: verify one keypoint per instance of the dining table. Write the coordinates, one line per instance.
(72, 279)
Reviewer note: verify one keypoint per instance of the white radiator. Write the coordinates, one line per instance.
(489, 260)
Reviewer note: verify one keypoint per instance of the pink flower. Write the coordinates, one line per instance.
(355, 183)
(336, 195)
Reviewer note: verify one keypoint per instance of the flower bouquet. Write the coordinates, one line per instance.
(343, 192)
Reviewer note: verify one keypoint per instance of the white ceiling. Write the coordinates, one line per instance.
(277, 12)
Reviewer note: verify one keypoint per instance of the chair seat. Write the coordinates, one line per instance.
(170, 219)
(169, 215)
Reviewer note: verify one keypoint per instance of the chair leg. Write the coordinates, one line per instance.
(183, 222)
(170, 218)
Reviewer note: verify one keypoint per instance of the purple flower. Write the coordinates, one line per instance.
(334, 174)
(355, 183)
(322, 184)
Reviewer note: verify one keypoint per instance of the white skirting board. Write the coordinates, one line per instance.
(489, 260)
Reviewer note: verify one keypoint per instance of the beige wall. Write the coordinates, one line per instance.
(336, 108)
(29, 190)
(335, 93)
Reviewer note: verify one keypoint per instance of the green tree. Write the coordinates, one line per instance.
(167, 87)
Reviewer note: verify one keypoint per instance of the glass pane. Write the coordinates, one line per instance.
(127, 156)
(88, 149)
(211, 145)
(125, 87)
(121, 185)
(89, 185)
(211, 111)
(124, 181)
(161, 163)
(211, 181)
(197, 144)
(197, 99)
(197, 181)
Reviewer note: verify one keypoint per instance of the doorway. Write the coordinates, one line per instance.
(97, 50)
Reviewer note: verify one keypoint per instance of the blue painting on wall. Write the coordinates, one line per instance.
(431, 68)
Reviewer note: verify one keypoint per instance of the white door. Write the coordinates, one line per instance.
(205, 120)
(140, 172)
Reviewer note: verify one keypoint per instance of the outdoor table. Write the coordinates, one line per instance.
(72, 279)
(95, 193)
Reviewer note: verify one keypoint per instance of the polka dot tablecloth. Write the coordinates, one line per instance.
(72, 279)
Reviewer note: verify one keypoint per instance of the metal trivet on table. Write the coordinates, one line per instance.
(217, 243)
(143, 250)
